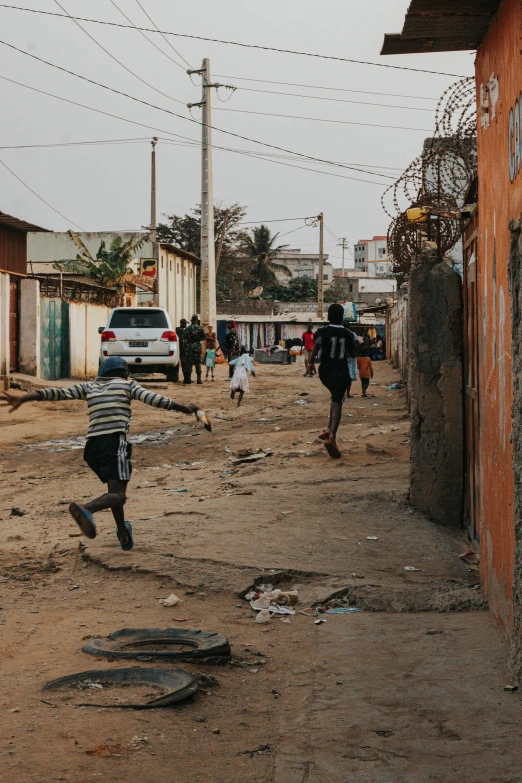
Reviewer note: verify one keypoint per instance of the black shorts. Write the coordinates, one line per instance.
(109, 456)
(337, 385)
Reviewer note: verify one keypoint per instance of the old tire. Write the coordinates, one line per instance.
(175, 684)
(198, 645)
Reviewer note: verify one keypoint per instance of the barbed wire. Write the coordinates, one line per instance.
(437, 180)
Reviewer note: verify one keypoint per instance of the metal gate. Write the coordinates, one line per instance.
(472, 416)
(55, 349)
(14, 327)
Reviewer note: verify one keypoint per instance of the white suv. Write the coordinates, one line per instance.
(144, 337)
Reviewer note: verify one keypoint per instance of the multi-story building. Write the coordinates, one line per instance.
(303, 265)
(371, 256)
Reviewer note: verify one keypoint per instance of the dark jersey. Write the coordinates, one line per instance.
(337, 346)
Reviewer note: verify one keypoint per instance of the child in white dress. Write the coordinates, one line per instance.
(242, 366)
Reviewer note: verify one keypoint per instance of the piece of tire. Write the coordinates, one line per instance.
(204, 644)
(176, 684)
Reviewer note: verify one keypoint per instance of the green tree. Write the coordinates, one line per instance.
(184, 231)
(261, 247)
(109, 266)
(300, 289)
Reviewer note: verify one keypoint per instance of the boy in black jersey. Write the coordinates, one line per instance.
(336, 344)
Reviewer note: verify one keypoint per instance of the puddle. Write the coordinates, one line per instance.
(78, 442)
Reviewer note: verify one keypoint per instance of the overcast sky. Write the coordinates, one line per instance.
(108, 187)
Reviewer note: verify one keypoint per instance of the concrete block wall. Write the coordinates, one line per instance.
(29, 346)
(84, 320)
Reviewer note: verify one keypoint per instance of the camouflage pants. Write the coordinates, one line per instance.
(191, 358)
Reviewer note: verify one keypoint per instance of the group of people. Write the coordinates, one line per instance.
(193, 355)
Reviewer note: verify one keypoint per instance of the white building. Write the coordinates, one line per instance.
(303, 265)
(371, 256)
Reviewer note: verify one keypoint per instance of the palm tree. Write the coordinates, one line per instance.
(262, 250)
(109, 266)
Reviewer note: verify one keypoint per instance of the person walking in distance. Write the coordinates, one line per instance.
(231, 345)
(336, 344)
(107, 452)
(180, 331)
(365, 368)
(194, 334)
(308, 344)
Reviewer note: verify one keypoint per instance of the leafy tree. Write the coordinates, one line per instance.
(184, 231)
(109, 266)
(300, 289)
(261, 248)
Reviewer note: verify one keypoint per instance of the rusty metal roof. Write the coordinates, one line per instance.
(18, 225)
(442, 26)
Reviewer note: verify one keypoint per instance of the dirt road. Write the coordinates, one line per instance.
(408, 690)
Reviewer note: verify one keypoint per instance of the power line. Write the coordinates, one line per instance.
(335, 100)
(323, 119)
(276, 220)
(193, 142)
(235, 43)
(39, 197)
(172, 60)
(74, 143)
(323, 87)
(187, 119)
(160, 92)
(163, 35)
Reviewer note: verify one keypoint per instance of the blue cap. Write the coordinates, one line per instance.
(112, 363)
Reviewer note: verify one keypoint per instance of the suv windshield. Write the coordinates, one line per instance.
(138, 319)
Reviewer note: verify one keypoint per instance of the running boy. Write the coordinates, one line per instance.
(107, 452)
(242, 366)
(365, 368)
(336, 344)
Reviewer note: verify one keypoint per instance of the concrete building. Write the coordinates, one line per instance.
(365, 290)
(303, 265)
(176, 274)
(15, 292)
(371, 256)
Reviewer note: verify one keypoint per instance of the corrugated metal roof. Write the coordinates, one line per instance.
(18, 225)
(442, 26)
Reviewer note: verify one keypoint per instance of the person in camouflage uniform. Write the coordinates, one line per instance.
(192, 338)
(180, 331)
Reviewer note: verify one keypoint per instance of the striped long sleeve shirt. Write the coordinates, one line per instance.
(108, 402)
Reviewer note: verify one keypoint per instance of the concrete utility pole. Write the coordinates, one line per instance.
(155, 247)
(320, 280)
(342, 244)
(208, 313)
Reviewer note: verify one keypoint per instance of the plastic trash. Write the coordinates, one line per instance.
(172, 491)
(398, 385)
(172, 600)
(412, 568)
(319, 622)
(343, 610)
(471, 558)
(263, 616)
(372, 538)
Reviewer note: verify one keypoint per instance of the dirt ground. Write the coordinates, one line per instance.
(408, 690)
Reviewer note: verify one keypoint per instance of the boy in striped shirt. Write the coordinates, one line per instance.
(106, 452)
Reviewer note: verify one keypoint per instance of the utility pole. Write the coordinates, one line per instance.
(342, 244)
(155, 248)
(208, 260)
(320, 281)
(222, 238)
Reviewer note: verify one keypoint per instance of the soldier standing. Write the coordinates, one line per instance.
(192, 338)
(180, 331)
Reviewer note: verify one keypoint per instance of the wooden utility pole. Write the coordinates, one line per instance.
(208, 250)
(153, 224)
(320, 277)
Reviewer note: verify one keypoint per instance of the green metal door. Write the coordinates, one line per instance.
(54, 338)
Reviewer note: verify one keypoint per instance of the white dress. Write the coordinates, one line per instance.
(242, 366)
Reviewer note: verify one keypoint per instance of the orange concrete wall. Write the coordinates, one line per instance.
(500, 200)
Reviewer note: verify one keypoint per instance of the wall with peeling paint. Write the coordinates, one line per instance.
(499, 85)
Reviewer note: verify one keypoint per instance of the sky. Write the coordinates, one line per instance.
(106, 187)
